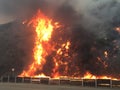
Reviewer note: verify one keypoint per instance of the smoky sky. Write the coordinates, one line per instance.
(88, 24)
(19, 8)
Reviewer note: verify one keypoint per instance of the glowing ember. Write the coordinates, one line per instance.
(117, 29)
(103, 62)
(62, 51)
(106, 54)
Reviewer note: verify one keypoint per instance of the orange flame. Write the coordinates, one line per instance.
(43, 28)
(88, 75)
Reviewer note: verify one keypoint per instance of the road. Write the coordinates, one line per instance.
(13, 86)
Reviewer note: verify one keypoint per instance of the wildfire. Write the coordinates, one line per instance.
(62, 51)
(43, 28)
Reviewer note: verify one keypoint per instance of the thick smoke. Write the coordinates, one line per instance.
(89, 25)
(92, 33)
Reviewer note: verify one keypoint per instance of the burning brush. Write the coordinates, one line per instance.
(55, 56)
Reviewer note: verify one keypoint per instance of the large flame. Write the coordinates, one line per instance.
(43, 28)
